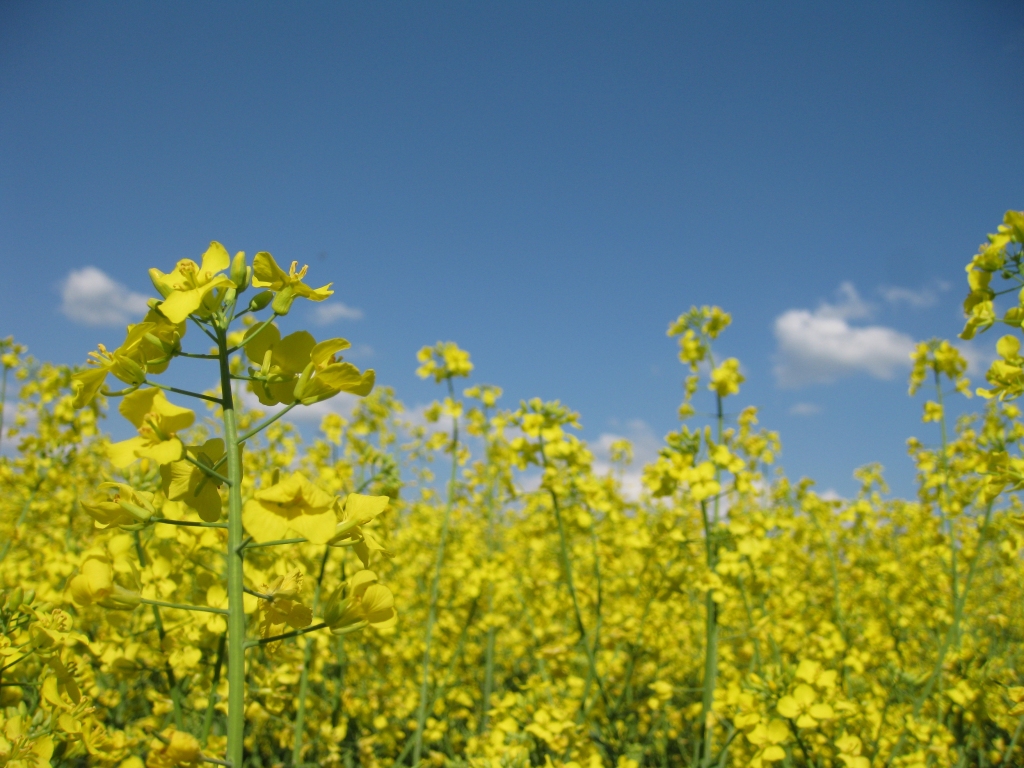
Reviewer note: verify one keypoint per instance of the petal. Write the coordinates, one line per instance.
(314, 294)
(266, 273)
(256, 346)
(216, 259)
(787, 707)
(322, 352)
(773, 754)
(293, 351)
(312, 494)
(207, 502)
(345, 377)
(123, 454)
(136, 405)
(318, 528)
(163, 452)
(173, 418)
(86, 385)
(261, 523)
(362, 509)
(180, 304)
(284, 492)
(804, 695)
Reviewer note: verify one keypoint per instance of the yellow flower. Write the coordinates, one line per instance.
(801, 706)
(368, 604)
(726, 378)
(768, 739)
(279, 608)
(443, 361)
(288, 285)
(293, 504)
(849, 747)
(158, 420)
(175, 748)
(298, 368)
(193, 288)
(126, 507)
(357, 511)
(185, 482)
(94, 582)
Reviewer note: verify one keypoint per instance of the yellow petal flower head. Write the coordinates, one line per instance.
(279, 608)
(726, 378)
(359, 510)
(360, 603)
(193, 288)
(443, 361)
(158, 421)
(326, 375)
(298, 368)
(184, 481)
(125, 506)
(288, 285)
(175, 748)
(292, 505)
(94, 582)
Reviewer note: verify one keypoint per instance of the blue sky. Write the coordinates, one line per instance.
(546, 184)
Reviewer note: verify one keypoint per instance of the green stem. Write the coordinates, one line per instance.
(570, 584)
(275, 543)
(252, 334)
(711, 617)
(492, 633)
(951, 633)
(172, 682)
(300, 715)
(3, 403)
(188, 393)
(21, 519)
(208, 715)
(207, 470)
(944, 506)
(267, 423)
(187, 523)
(235, 554)
(183, 606)
(421, 714)
(286, 635)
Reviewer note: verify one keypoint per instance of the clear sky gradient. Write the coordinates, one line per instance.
(548, 184)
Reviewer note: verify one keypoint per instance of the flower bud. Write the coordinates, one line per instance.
(14, 599)
(240, 272)
(260, 300)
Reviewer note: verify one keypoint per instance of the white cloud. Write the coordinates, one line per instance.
(821, 346)
(343, 403)
(804, 409)
(327, 312)
(849, 307)
(916, 299)
(91, 297)
(978, 360)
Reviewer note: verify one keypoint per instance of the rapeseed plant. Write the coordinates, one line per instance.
(216, 590)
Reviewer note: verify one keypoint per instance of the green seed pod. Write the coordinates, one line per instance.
(14, 599)
(29, 597)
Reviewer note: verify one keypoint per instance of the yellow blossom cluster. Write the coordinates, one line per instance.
(482, 587)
